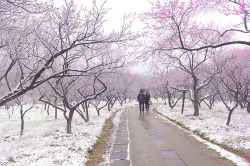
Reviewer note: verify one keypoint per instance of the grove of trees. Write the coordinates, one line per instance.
(63, 57)
(198, 55)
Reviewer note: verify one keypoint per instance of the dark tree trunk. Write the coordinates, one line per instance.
(196, 106)
(196, 101)
(69, 121)
(8, 112)
(45, 106)
(248, 107)
(42, 108)
(169, 100)
(48, 109)
(109, 106)
(22, 125)
(183, 102)
(56, 109)
(229, 116)
(241, 105)
(22, 120)
(86, 110)
(55, 113)
(69, 127)
(209, 104)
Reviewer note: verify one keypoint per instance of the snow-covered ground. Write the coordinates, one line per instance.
(212, 123)
(45, 141)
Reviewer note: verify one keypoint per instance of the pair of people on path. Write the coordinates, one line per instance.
(143, 99)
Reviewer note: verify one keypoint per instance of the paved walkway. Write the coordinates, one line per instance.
(154, 143)
(120, 153)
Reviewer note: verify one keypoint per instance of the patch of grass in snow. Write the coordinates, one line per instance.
(55, 145)
(12, 128)
(32, 124)
(11, 160)
(75, 149)
(58, 162)
(224, 158)
(199, 133)
(202, 135)
(95, 155)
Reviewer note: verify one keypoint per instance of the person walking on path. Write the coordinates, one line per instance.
(147, 98)
(141, 100)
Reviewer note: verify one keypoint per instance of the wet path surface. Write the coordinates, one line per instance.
(157, 143)
(120, 152)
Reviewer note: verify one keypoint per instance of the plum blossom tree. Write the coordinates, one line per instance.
(72, 98)
(175, 27)
(99, 103)
(41, 40)
(233, 81)
(21, 103)
(83, 82)
(180, 41)
(124, 83)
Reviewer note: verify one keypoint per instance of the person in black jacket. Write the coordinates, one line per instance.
(147, 98)
(141, 100)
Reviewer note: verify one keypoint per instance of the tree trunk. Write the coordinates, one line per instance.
(229, 116)
(69, 121)
(22, 120)
(55, 109)
(22, 125)
(109, 106)
(87, 110)
(12, 109)
(248, 107)
(169, 100)
(165, 102)
(8, 112)
(183, 102)
(69, 127)
(211, 103)
(241, 105)
(196, 101)
(196, 105)
(48, 109)
(55, 113)
(45, 106)
(42, 108)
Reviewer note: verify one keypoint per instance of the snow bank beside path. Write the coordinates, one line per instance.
(45, 141)
(212, 124)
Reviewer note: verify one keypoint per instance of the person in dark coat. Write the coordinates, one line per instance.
(141, 100)
(147, 98)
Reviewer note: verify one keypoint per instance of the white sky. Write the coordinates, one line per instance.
(120, 7)
(117, 9)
